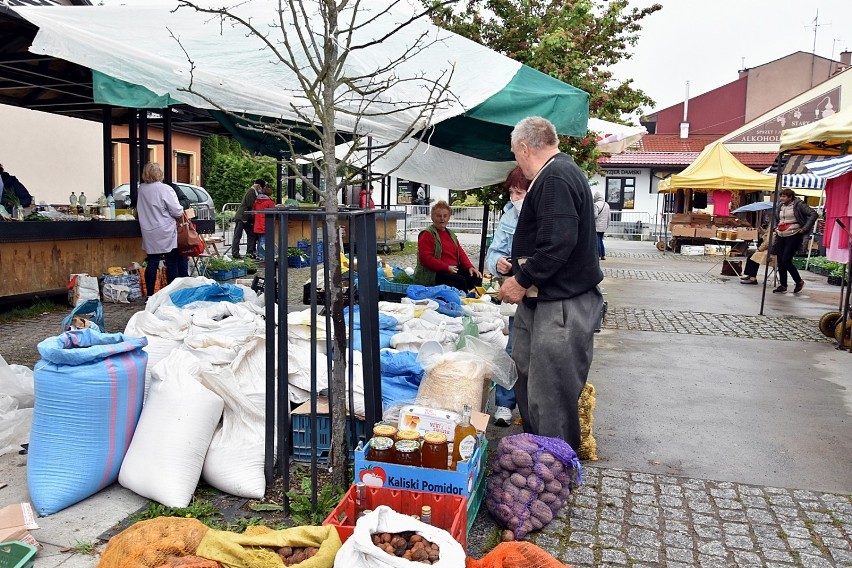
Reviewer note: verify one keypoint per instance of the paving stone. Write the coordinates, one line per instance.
(723, 503)
(749, 490)
(676, 526)
(777, 555)
(671, 490)
(841, 556)
(610, 541)
(669, 501)
(736, 528)
(647, 500)
(818, 517)
(577, 555)
(642, 488)
(740, 542)
(712, 548)
(611, 514)
(720, 493)
(581, 524)
(642, 537)
(706, 561)
(704, 520)
(749, 559)
(708, 532)
(684, 555)
(678, 539)
(613, 556)
(675, 514)
(838, 544)
(759, 516)
(755, 501)
(786, 511)
(814, 561)
(643, 553)
(733, 516)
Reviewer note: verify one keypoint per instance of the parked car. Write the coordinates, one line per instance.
(197, 195)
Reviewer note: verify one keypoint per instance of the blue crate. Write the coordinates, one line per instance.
(301, 425)
(219, 275)
(298, 261)
(386, 285)
(305, 246)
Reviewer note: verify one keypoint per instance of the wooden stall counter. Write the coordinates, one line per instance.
(38, 257)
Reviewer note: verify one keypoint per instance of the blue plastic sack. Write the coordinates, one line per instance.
(387, 328)
(92, 309)
(447, 297)
(88, 396)
(401, 376)
(207, 293)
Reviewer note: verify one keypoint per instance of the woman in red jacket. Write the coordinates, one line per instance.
(263, 201)
(440, 257)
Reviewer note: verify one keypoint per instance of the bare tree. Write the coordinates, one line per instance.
(313, 41)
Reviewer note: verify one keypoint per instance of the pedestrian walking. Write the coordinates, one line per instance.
(601, 222)
(795, 220)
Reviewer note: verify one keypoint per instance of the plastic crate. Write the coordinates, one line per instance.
(475, 500)
(305, 246)
(449, 512)
(298, 261)
(17, 555)
(301, 424)
(219, 275)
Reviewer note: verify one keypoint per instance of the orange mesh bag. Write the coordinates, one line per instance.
(190, 562)
(515, 555)
(588, 449)
(154, 543)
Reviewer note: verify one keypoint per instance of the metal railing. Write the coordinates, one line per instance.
(630, 225)
(226, 222)
(462, 219)
(276, 278)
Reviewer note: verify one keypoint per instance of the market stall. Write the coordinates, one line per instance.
(831, 136)
(712, 177)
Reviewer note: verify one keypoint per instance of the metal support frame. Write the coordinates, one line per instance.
(133, 131)
(483, 250)
(278, 424)
(106, 130)
(780, 161)
(168, 159)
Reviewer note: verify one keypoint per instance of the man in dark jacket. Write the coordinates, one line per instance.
(244, 221)
(556, 272)
(12, 191)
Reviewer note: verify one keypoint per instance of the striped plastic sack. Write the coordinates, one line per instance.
(88, 397)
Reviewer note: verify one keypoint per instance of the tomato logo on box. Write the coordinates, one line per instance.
(373, 476)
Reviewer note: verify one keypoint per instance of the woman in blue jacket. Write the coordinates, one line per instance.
(498, 263)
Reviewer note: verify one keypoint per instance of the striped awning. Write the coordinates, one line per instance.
(803, 181)
(797, 174)
(831, 167)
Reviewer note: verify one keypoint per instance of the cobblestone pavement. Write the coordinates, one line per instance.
(660, 256)
(727, 325)
(619, 518)
(661, 276)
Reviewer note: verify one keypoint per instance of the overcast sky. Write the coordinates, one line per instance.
(704, 42)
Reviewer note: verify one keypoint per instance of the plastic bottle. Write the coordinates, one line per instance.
(72, 199)
(360, 499)
(464, 441)
(111, 203)
(82, 200)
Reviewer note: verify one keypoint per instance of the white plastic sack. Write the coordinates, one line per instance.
(249, 368)
(85, 288)
(235, 321)
(359, 550)
(166, 329)
(161, 297)
(178, 420)
(17, 382)
(116, 293)
(212, 348)
(15, 424)
(235, 460)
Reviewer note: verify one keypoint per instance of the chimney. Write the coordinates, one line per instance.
(846, 57)
(684, 126)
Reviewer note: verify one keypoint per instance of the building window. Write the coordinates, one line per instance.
(620, 192)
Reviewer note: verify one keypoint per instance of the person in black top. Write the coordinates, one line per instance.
(555, 276)
(12, 191)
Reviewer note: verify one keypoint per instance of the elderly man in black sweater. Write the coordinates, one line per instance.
(556, 273)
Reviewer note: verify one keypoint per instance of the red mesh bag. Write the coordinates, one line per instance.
(515, 555)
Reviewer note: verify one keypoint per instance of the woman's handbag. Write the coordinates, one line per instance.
(188, 241)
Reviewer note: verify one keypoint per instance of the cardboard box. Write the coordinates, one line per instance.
(711, 250)
(683, 231)
(706, 232)
(16, 522)
(747, 234)
(681, 219)
(462, 481)
(689, 250)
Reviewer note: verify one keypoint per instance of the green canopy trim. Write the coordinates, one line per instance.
(484, 131)
(111, 91)
(267, 144)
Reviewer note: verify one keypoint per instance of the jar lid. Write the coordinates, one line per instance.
(435, 438)
(408, 435)
(407, 446)
(426, 510)
(381, 443)
(385, 430)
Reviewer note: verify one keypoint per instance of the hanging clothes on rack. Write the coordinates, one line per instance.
(837, 206)
(721, 203)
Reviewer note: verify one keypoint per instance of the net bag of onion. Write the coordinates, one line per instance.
(531, 478)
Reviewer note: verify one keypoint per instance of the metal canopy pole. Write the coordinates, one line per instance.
(134, 158)
(107, 148)
(781, 160)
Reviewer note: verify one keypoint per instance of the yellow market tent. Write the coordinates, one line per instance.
(831, 136)
(716, 168)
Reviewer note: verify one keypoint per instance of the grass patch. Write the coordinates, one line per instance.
(201, 509)
(83, 547)
(494, 538)
(302, 510)
(33, 310)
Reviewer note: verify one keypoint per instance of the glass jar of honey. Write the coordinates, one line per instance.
(380, 450)
(385, 430)
(407, 452)
(435, 451)
(408, 435)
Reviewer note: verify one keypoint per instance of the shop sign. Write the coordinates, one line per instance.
(769, 132)
(623, 172)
